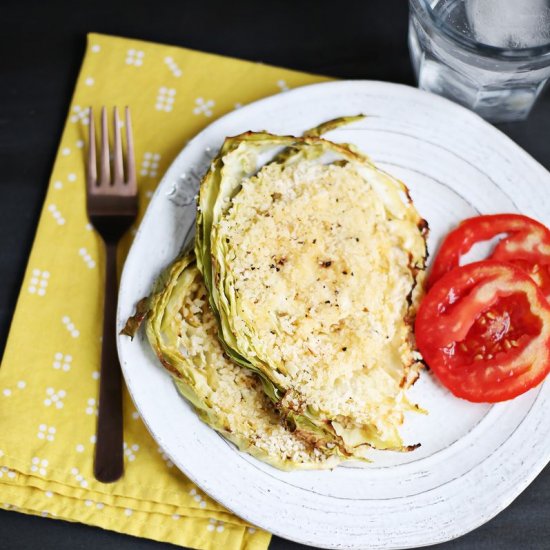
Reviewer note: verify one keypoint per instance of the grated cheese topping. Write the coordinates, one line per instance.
(232, 395)
(318, 274)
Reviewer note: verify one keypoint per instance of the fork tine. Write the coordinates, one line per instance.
(130, 160)
(91, 166)
(117, 161)
(104, 162)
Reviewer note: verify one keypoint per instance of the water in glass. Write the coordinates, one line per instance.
(492, 56)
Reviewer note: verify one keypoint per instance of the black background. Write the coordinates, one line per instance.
(41, 48)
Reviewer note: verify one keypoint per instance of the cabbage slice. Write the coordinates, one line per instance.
(182, 331)
(246, 160)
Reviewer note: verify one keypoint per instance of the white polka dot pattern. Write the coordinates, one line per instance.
(282, 85)
(130, 451)
(56, 214)
(46, 432)
(134, 57)
(5, 471)
(79, 478)
(39, 282)
(204, 107)
(81, 114)
(173, 66)
(91, 409)
(83, 253)
(39, 465)
(69, 325)
(165, 99)
(150, 164)
(55, 398)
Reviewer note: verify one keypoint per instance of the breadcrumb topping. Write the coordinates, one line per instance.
(317, 273)
(233, 393)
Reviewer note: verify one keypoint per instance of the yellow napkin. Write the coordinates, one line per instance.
(49, 374)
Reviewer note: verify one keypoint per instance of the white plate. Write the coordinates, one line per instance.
(474, 459)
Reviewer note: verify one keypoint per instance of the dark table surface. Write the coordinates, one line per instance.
(41, 47)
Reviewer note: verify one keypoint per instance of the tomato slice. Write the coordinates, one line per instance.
(484, 330)
(526, 245)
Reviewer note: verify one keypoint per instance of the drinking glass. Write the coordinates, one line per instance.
(492, 56)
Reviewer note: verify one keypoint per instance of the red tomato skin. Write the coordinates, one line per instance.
(515, 246)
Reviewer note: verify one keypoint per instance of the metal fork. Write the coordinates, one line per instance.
(112, 206)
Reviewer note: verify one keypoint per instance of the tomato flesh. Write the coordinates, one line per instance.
(506, 325)
(484, 330)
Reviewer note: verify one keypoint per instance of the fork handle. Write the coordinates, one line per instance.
(108, 463)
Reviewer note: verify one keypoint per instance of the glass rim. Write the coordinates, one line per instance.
(528, 53)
